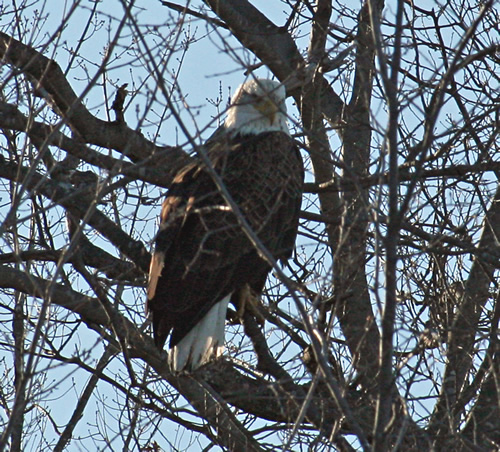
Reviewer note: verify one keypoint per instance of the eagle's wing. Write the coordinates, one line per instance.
(202, 254)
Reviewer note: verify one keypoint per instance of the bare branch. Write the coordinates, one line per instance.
(49, 81)
(158, 168)
(81, 207)
(275, 48)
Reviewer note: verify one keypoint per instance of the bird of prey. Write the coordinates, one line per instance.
(203, 258)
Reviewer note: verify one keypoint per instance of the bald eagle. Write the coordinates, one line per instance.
(203, 259)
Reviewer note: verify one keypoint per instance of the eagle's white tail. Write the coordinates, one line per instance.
(204, 342)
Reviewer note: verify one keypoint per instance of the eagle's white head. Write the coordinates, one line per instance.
(257, 106)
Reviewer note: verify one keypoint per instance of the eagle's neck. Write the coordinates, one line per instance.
(246, 120)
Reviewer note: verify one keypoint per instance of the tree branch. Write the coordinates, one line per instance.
(354, 309)
(462, 336)
(75, 202)
(159, 168)
(49, 80)
(230, 431)
(275, 47)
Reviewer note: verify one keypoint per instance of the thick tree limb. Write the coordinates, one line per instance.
(91, 255)
(275, 47)
(49, 80)
(258, 396)
(230, 385)
(230, 432)
(80, 206)
(316, 135)
(158, 169)
(462, 336)
(355, 310)
(386, 389)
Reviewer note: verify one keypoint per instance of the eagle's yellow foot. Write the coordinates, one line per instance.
(247, 300)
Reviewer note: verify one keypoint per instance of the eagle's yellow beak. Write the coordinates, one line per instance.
(268, 109)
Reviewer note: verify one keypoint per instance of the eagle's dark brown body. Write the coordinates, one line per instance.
(202, 254)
